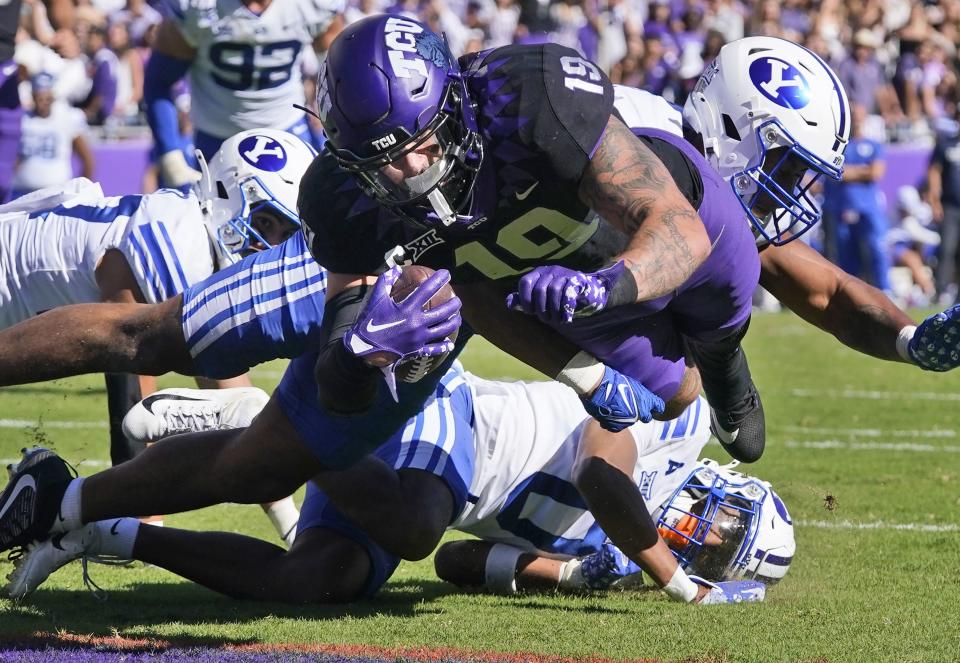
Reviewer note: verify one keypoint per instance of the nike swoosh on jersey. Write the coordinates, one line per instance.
(23, 483)
(522, 195)
(372, 328)
(150, 400)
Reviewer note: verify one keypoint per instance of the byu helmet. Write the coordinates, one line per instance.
(722, 525)
(773, 117)
(252, 170)
(389, 87)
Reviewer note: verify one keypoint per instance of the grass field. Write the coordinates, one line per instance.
(865, 454)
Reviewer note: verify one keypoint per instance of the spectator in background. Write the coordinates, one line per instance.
(855, 211)
(912, 242)
(502, 23)
(102, 68)
(943, 195)
(129, 71)
(51, 134)
(726, 17)
(866, 82)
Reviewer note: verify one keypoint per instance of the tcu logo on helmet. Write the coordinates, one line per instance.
(263, 152)
(400, 36)
(384, 142)
(780, 82)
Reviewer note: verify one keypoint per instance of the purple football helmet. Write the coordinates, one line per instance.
(391, 87)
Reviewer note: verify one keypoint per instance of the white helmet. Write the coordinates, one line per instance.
(761, 94)
(252, 169)
(722, 525)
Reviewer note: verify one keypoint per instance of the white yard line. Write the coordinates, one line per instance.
(45, 423)
(872, 446)
(876, 395)
(877, 525)
(872, 432)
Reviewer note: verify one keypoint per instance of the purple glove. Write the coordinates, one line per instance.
(558, 294)
(404, 330)
(620, 401)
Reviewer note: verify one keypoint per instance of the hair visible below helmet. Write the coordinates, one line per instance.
(773, 118)
(723, 525)
(390, 85)
(252, 170)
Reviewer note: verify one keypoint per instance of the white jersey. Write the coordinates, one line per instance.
(46, 147)
(527, 436)
(639, 108)
(246, 73)
(52, 243)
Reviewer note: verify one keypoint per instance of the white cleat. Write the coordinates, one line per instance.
(41, 559)
(173, 411)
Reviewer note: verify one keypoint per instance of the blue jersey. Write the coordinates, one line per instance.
(267, 306)
(859, 196)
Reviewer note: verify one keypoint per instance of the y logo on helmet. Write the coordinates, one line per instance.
(780, 82)
(263, 152)
(401, 38)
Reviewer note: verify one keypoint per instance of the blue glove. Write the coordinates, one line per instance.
(935, 345)
(557, 294)
(731, 591)
(604, 567)
(620, 401)
(404, 329)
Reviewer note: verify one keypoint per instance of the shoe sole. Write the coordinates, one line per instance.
(17, 586)
(18, 501)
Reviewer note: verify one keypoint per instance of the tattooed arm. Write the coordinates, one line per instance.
(630, 187)
(859, 315)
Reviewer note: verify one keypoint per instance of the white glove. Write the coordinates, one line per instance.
(175, 170)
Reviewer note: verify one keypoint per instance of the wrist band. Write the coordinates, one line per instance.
(500, 573)
(680, 587)
(582, 374)
(903, 342)
(623, 290)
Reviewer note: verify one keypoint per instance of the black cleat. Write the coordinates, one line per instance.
(742, 431)
(29, 503)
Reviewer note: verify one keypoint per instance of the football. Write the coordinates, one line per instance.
(414, 369)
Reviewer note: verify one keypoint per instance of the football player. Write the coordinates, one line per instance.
(11, 113)
(273, 449)
(243, 61)
(500, 460)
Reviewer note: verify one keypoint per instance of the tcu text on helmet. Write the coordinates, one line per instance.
(384, 142)
(399, 35)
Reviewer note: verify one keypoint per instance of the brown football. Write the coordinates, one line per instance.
(412, 370)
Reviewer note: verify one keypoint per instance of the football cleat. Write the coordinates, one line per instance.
(742, 430)
(174, 411)
(41, 559)
(607, 566)
(29, 503)
(731, 591)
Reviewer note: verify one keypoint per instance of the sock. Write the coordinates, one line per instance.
(68, 517)
(284, 516)
(117, 537)
(571, 576)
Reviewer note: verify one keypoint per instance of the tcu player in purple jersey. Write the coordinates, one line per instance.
(273, 454)
(61, 15)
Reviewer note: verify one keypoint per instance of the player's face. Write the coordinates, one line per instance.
(272, 227)
(789, 175)
(414, 162)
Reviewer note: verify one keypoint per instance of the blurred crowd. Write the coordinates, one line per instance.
(897, 59)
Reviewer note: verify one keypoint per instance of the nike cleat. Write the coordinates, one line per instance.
(29, 503)
(41, 559)
(741, 431)
(174, 411)
(731, 591)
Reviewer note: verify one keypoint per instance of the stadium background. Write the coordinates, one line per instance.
(863, 452)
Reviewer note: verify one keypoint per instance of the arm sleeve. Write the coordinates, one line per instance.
(161, 73)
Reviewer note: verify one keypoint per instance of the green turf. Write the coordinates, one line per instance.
(878, 594)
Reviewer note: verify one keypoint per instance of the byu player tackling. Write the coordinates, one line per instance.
(501, 458)
(243, 58)
(272, 456)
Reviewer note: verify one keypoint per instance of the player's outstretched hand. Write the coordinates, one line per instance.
(731, 591)
(404, 329)
(620, 401)
(176, 171)
(557, 294)
(935, 345)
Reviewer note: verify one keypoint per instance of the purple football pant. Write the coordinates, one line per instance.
(11, 115)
